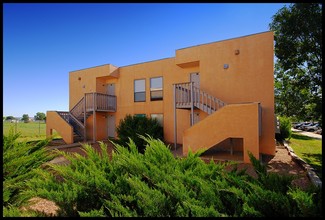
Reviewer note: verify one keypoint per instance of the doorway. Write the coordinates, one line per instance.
(195, 77)
(111, 125)
(111, 89)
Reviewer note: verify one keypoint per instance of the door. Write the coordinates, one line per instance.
(195, 78)
(111, 89)
(111, 125)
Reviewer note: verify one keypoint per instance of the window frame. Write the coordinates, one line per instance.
(157, 89)
(134, 92)
(140, 115)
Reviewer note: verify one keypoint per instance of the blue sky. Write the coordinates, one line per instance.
(43, 42)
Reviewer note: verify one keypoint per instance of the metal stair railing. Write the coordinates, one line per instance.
(78, 127)
(183, 95)
(85, 107)
(64, 115)
(201, 99)
(78, 109)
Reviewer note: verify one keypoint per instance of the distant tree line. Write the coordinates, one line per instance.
(40, 116)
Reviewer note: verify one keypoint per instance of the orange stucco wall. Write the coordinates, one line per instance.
(101, 124)
(171, 73)
(85, 81)
(235, 120)
(55, 121)
(248, 78)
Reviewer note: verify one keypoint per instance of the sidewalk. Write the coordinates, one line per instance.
(309, 134)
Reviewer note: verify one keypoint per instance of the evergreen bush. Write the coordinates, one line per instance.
(20, 159)
(131, 127)
(156, 184)
(285, 128)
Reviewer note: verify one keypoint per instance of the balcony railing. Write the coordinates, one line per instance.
(100, 102)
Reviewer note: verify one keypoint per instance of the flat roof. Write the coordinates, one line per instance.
(90, 67)
(224, 40)
(148, 61)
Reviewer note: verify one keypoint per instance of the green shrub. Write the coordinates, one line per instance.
(20, 159)
(156, 184)
(307, 203)
(269, 180)
(132, 126)
(285, 128)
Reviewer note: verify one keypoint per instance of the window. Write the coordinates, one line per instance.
(140, 115)
(140, 90)
(156, 89)
(159, 117)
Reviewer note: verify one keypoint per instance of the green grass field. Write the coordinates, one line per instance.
(309, 149)
(28, 131)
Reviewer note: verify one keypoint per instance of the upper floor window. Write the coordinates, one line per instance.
(140, 90)
(156, 88)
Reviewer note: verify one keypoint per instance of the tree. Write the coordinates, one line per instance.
(290, 100)
(298, 48)
(40, 116)
(10, 118)
(25, 118)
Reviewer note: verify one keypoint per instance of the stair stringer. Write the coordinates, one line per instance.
(234, 120)
(55, 121)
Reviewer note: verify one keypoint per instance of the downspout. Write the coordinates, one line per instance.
(175, 122)
(85, 130)
(94, 118)
(192, 108)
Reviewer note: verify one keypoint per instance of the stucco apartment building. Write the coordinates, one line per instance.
(218, 95)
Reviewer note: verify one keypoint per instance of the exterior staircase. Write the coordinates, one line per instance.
(188, 96)
(90, 103)
(224, 122)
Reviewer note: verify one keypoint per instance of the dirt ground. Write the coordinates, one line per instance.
(281, 163)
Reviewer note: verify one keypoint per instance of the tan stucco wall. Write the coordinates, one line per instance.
(55, 121)
(101, 124)
(249, 78)
(84, 81)
(171, 73)
(236, 121)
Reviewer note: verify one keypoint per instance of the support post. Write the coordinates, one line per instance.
(175, 122)
(94, 118)
(192, 104)
(231, 147)
(85, 118)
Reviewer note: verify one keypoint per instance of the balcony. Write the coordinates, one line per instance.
(100, 102)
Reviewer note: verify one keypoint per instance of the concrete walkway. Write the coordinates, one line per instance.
(306, 133)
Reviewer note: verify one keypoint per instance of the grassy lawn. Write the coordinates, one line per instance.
(28, 131)
(309, 149)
